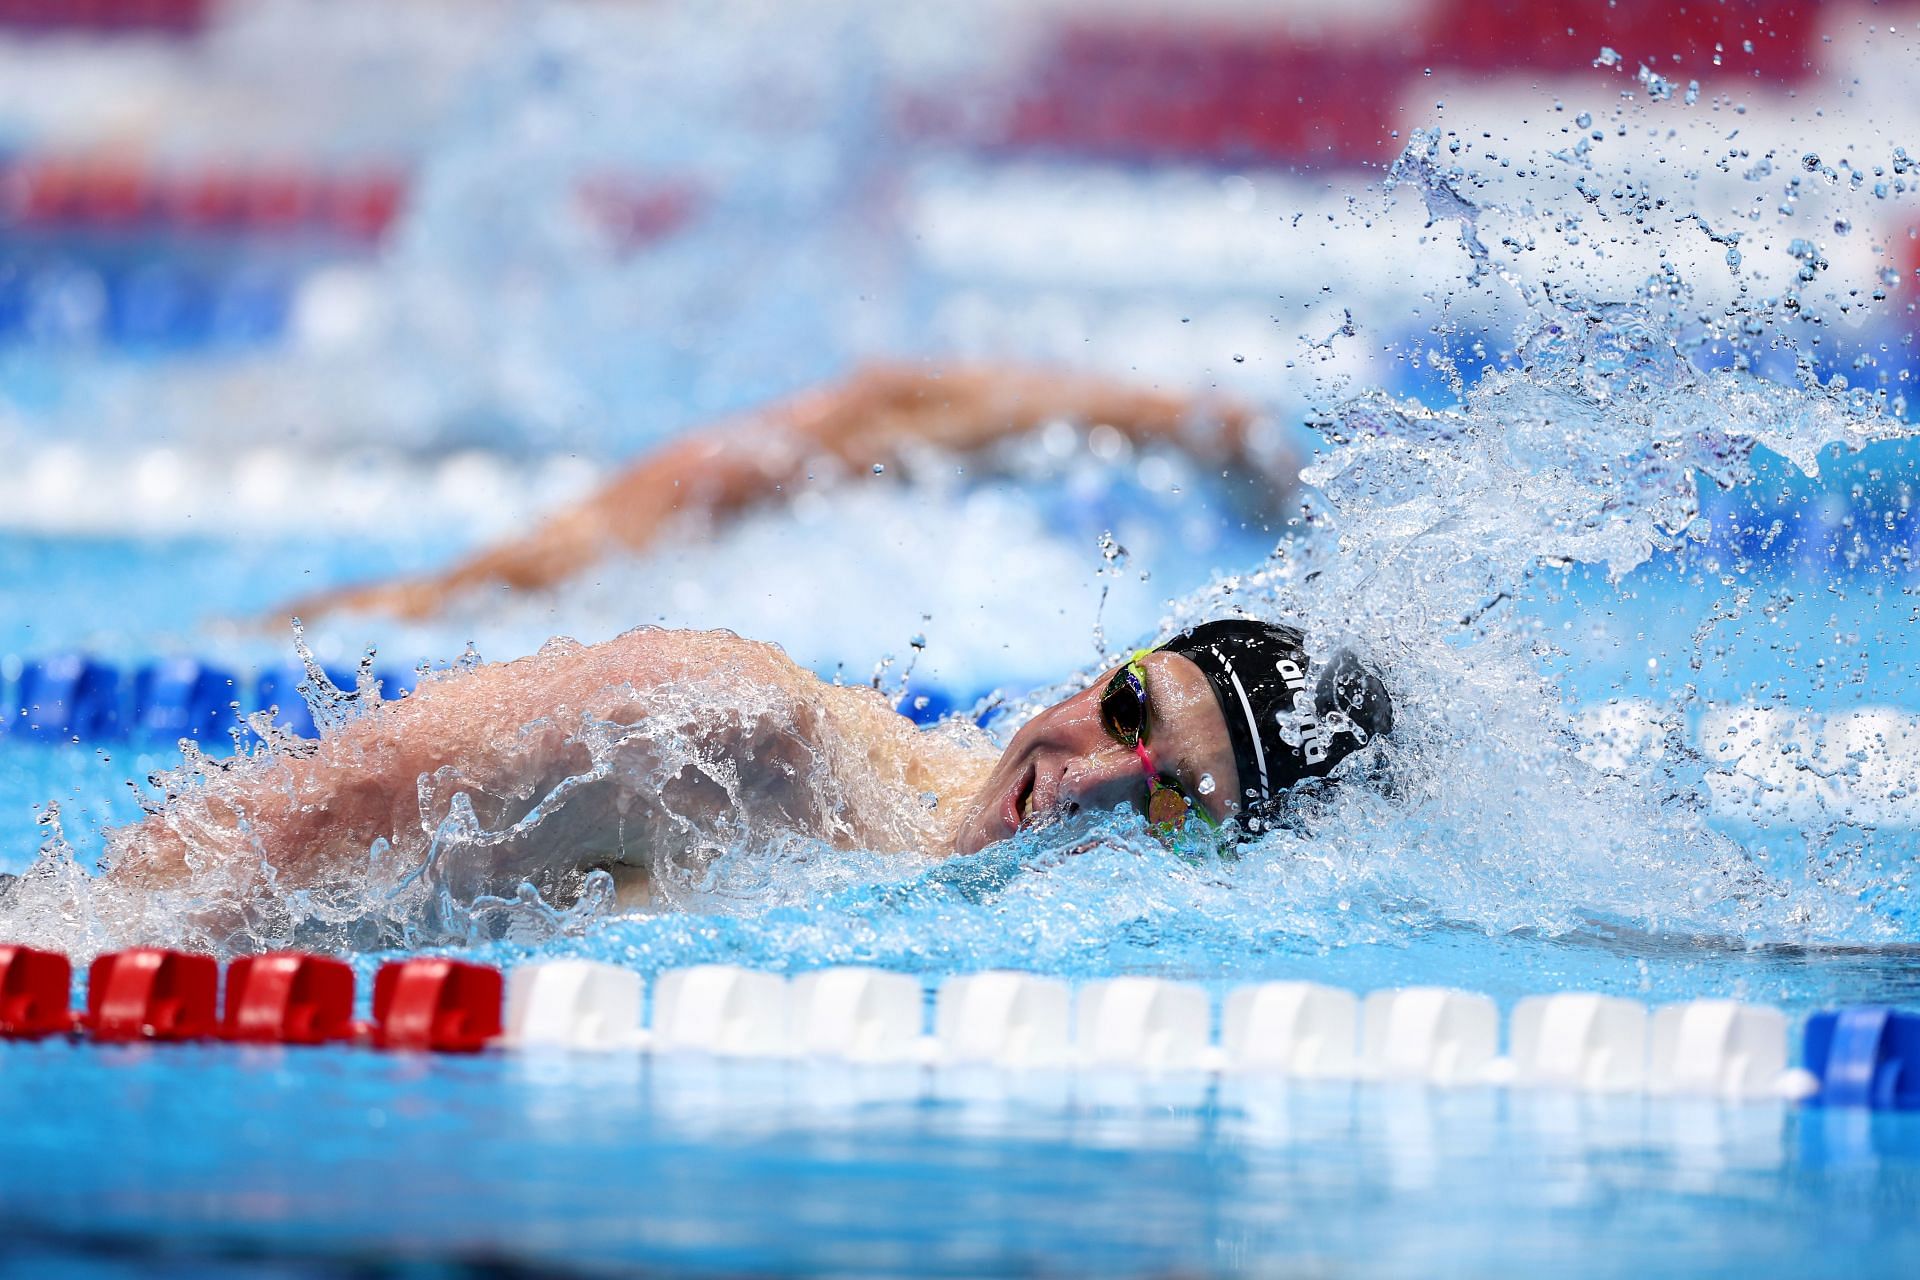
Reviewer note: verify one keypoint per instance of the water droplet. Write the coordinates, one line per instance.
(1238, 358)
(1609, 57)
(1584, 119)
(930, 800)
(879, 468)
(1841, 226)
(1206, 784)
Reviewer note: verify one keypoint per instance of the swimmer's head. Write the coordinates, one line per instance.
(1214, 726)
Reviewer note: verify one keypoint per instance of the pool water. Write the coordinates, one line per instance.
(328, 1162)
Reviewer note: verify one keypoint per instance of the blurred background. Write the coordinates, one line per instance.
(294, 294)
(301, 293)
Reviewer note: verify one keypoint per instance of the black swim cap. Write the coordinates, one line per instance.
(1287, 722)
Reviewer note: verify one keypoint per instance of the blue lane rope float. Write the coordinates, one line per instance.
(1865, 1056)
(160, 308)
(67, 696)
(76, 697)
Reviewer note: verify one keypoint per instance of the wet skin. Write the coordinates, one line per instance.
(1065, 760)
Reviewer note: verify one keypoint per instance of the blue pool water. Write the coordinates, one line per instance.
(330, 1163)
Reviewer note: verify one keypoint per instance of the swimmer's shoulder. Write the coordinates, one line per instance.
(643, 657)
(701, 650)
(720, 655)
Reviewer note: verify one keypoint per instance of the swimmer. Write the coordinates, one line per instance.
(659, 749)
(886, 418)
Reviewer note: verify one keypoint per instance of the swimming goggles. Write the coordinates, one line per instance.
(1123, 713)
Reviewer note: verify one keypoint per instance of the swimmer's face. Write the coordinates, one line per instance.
(1067, 758)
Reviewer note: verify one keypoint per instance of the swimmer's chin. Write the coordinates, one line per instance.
(970, 838)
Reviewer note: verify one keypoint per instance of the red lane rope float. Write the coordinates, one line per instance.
(36, 992)
(106, 17)
(1264, 91)
(289, 998)
(444, 1005)
(1773, 39)
(109, 194)
(151, 994)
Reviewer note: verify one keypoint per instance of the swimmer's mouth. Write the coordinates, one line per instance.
(1019, 803)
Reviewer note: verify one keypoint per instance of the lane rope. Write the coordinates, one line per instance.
(1005, 1021)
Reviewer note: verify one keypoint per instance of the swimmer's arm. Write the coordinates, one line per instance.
(879, 417)
(507, 728)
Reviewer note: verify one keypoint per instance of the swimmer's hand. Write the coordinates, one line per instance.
(881, 417)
